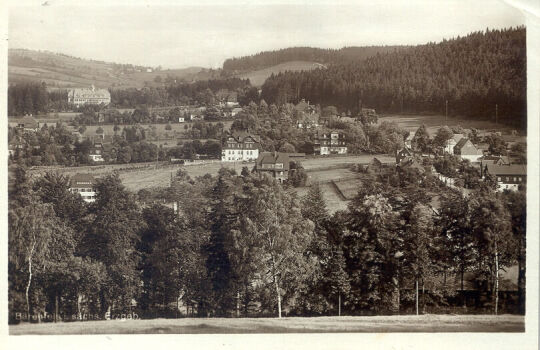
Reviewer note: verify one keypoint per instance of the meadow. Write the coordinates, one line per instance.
(333, 324)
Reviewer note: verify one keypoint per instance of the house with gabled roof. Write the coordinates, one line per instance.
(240, 146)
(28, 123)
(275, 164)
(465, 149)
(404, 154)
(452, 142)
(83, 184)
(508, 177)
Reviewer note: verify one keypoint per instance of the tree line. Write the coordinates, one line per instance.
(478, 76)
(243, 245)
(326, 56)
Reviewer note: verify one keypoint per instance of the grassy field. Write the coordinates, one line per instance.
(434, 122)
(348, 187)
(345, 324)
(258, 77)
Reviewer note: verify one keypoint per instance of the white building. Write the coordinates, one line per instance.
(90, 96)
(83, 184)
(240, 146)
(332, 142)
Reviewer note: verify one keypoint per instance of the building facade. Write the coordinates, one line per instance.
(275, 164)
(90, 96)
(83, 184)
(508, 177)
(240, 146)
(330, 142)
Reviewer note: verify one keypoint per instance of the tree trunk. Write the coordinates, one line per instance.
(56, 307)
(79, 299)
(238, 304)
(521, 275)
(423, 297)
(416, 283)
(274, 275)
(496, 280)
(339, 304)
(27, 293)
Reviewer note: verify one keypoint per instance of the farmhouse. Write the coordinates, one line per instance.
(28, 124)
(275, 164)
(452, 142)
(90, 96)
(403, 155)
(96, 153)
(83, 184)
(465, 149)
(240, 146)
(508, 177)
(330, 142)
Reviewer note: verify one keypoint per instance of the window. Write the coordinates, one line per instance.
(498, 178)
(279, 165)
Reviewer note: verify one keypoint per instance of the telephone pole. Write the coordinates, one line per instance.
(496, 113)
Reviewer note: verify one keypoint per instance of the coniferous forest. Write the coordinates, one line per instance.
(473, 73)
(325, 56)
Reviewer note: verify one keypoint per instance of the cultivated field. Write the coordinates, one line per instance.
(349, 324)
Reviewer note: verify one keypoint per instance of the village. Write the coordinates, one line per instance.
(269, 169)
(470, 148)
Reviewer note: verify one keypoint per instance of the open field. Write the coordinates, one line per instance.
(146, 175)
(344, 324)
(258, 77)
(348, 187)
(434, 122)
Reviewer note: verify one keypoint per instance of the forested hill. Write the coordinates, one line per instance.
(325, 56)
(474, 73)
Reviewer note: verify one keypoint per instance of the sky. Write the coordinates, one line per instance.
(179, 34)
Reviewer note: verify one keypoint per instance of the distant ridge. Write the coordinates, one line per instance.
(267, 59)
(60, 70)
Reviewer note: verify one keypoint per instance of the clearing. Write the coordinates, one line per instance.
(434, 122)
(348, 324)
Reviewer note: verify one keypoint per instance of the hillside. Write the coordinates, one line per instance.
(258, 77)
(473, 73)
(62, 71)
(267, 59)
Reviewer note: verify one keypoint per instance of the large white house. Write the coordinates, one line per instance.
(240, 146)
(90, 96)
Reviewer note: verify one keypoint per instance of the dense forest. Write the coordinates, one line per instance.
(243, 245)
(325, 56)
(473, 73)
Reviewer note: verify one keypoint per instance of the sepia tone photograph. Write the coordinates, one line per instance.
(268, 168)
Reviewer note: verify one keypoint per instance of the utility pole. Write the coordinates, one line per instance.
(446, 113)
(496, 113)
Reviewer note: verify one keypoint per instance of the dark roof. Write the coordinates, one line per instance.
(241, 135)
(78, 179)
(514, 169)
(273, 158)
(28, 122)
